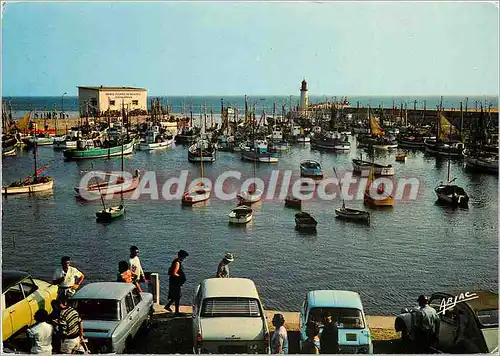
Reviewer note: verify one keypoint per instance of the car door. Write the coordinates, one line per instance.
(196, 308)
(448, 323)
(35, 299)
(17, 308)
(132, 313)
(303, 320)
(140, 307)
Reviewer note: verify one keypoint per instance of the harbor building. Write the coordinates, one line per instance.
(304, 98)
(99, 98)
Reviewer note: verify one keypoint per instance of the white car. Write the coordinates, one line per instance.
(228, 317)
(112, 314)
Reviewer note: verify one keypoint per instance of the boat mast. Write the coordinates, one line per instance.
(342, 195)
(35, 151)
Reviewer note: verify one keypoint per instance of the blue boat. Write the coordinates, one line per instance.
(311, 169)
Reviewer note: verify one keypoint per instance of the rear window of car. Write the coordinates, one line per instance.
(488, 317)
(345, 318)
(230, 307)
(98, 309)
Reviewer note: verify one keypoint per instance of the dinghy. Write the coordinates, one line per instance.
(304, 221)
(198, 194)
(250, 196)
(240, 215)
(401, 157)
(292, 202)
(311, 169)
(353, 214)
(110, 214)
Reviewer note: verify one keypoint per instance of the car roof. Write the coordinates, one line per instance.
(334, 298)
(11, 277)
(487, 300)
(229, 287)
(104, 290)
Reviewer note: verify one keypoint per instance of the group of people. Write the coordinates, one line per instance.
(327, 343)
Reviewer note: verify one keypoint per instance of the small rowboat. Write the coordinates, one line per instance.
(110, 214)
(240, 215)
(304, 221)
(10, 151)
(353, 214)
(292, 202)
(401, 157)
(250, 196)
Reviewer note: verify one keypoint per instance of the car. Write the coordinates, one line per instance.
(468, 322)
(228, 317)
(347, 311)
(22, 296)
(112, 314)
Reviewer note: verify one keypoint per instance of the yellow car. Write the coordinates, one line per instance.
(22, 296)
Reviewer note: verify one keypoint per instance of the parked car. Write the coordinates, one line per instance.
(22, 296)
(469, 326)
(112, 314)
(228, 317)
(347, 312)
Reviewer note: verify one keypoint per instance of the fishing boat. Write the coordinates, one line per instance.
(68, 141)
(40, 140)
(311, 169)
(401, 157)
(292, 202)
(382, 199)
(445, 144)
(202, 151)
(33, 183)
(259, 153)
(279, 146)
(303, 139)
(481, 161)
(451, 194)
(87, 149)
(304, 221)
(331, 141)
(200, 192)
(379, 169)
(185, 135)
(348, 213)
(240, 215)
(154, 139)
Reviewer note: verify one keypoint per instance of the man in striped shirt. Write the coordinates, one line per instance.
(72, 327)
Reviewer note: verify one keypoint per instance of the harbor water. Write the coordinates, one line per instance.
(416, 247)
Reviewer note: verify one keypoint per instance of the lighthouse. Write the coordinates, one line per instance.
(304, 100)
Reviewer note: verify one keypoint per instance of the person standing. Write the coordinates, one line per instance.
(329, 340)
(126, 275)
(41, 333)
(67, 277)
(176, 279)
(135, 264)
(57, 332)
(427, 324)
(311, 344)
(72, 327)
(223, 268)
(279, 340)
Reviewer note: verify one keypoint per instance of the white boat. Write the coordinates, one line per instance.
(250, 196)
(154, 140)
(259, 153)
(9, 151)
(379, 169)
(98, 189)
(310, 168)
(196, 195)
(30, 188)
(353, 214)
(240, 215)
(303, 139)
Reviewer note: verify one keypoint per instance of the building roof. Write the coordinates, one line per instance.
(229, 287)
(11, 277)
(334, 298)
(111, 88)
(104, 290)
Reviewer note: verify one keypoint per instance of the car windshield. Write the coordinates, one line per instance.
(98, 309)
(230, 307)
(345, 318)
(488, 317)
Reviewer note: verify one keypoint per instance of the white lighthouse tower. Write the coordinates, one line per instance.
(304, 99)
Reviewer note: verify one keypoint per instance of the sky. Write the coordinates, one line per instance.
(253, 48)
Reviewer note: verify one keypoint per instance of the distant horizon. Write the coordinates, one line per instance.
(279, 95)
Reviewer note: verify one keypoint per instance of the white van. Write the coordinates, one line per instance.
(228, 318)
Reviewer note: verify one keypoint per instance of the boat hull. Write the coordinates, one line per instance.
(240, 215)
(449, 196)
(384, 202)
(304, 221)
(249, 198)
(11, 151)
(195, 196)
(354, 215)
(99, 152)
(379, 170)
(143, 146)
(293, 203)
(259, 157)
(481, 165)
(93, 191)
(32, 188)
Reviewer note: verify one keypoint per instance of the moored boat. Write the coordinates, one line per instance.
(401, 157)
(382, 199)
(154, 139)
(198, 194)
(331, 141)
(120, 184)
(9, 151)
(240, 215)
(481, 161)
(110, 214)
(41, 184)
(293, 202)
(311, 169)
(379, 169)
(451, 194)
(202, 151)
(250, 196)
(442, 148)
(304, 221)
(353, 214)
(85, 150)
(259, 153)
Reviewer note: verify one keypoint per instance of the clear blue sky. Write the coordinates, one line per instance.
(253, 48)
